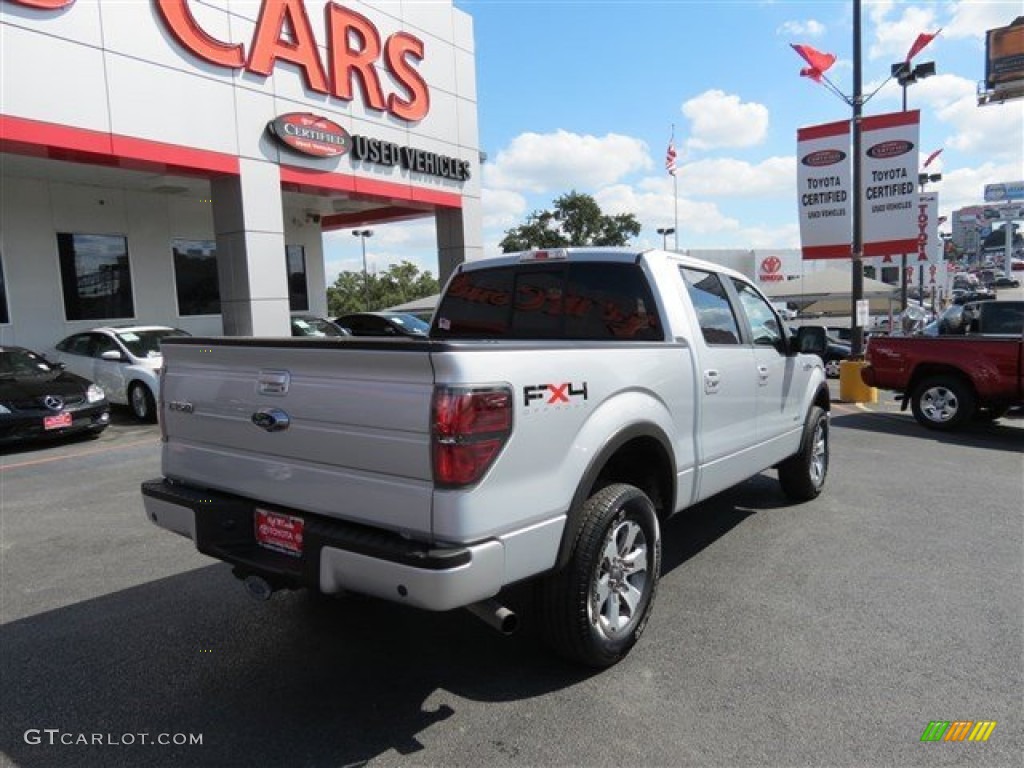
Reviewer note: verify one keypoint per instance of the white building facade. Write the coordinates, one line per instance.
(176, 161)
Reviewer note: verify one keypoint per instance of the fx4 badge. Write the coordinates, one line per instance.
(554, 394)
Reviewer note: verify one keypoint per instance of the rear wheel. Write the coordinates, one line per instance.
(802, 475)
(942, 402)
(142, 402)
(596, 607)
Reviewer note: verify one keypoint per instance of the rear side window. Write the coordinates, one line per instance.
(575, 300)
(714, 311)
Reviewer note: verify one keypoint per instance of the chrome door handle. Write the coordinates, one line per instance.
(762, 374)
(711, 382)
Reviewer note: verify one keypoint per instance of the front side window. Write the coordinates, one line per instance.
(298, 292)
(195, 277)
(714, 311)
(764, 325)
(95, 276)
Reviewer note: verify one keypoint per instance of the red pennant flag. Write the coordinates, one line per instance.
(820, 62)
(931, 157)
(922, 40)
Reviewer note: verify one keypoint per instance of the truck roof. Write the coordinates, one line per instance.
(621, 254)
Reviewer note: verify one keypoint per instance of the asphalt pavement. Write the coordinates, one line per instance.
(829, 633)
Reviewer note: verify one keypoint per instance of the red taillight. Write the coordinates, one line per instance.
(470, 427)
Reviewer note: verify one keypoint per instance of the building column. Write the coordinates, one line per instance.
(459, 236)
(248, 220)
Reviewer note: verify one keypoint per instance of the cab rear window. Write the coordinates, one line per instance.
(566, 300)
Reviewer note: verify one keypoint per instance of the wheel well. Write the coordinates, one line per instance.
(823, 399)
(642, 461)
(923, 372)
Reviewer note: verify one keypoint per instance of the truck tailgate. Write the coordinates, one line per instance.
(358, 419)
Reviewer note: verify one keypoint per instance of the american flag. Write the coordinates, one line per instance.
(670, 159)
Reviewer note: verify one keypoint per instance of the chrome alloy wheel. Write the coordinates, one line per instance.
(620, 580)
(819, 454)
(939, 404)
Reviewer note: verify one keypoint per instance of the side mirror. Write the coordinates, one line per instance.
(811, 340)
(112, 354)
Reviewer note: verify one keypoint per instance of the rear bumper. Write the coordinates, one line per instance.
(336, 556)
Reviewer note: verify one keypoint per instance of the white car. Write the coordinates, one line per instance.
(125, 361)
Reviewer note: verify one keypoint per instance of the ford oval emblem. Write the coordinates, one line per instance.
(271, 419)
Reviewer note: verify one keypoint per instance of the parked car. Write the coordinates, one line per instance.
(311, 325)
(125, 361)
(836, 350)
(384, 324)
(1006, 282)
(39, 399)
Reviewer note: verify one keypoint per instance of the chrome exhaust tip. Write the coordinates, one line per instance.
(495, 615)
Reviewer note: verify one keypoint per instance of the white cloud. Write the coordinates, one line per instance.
(719, 119)
(728, 177)
(894, 36)
(808, 28)
(962, 187)
(502, 208)
(653, 205)
(973, 19)
(562, 161)
(413, 241)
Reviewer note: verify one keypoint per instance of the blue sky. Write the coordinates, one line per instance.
(583, 95)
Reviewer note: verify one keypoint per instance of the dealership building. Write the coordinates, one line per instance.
(177, 163)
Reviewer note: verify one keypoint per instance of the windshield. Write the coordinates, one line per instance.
(16, 362)
(411, 323)
(147, 343)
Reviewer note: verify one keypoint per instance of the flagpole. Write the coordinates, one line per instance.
(675, 203)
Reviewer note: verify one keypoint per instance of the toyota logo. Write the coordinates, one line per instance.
(771, 265)
(53, 402)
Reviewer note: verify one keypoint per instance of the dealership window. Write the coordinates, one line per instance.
(298, 293)
(4, 317)
(890, 275)
(95, 276)
(195, 277)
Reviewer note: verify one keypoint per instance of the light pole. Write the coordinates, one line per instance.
(362, 234)
(906, 76)
(665, 232)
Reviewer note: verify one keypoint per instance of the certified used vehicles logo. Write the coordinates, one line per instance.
(887, 149)
(823, 157)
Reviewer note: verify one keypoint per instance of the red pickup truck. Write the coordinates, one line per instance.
(949, 379)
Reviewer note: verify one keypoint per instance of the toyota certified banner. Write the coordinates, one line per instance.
(889, 158)
(928, 255)
(824, 191)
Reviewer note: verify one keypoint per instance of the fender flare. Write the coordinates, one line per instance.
(593, 471)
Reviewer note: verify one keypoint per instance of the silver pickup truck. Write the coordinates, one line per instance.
(564, 405)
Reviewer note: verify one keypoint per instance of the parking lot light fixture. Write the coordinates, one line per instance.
(362, 234)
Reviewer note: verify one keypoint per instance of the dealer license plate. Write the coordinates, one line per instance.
(282, 533)
(57, 421)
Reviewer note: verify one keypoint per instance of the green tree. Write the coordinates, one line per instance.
(576, 219)
(398, 284)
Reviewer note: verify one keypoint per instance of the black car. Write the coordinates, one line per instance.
(384, 324)
(39, 399)
(1006, 282)
(311, 325)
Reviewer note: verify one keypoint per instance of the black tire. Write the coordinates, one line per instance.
(802, 475)
(142, 402)
(988, 415)
(595, 608)
(943, 402)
